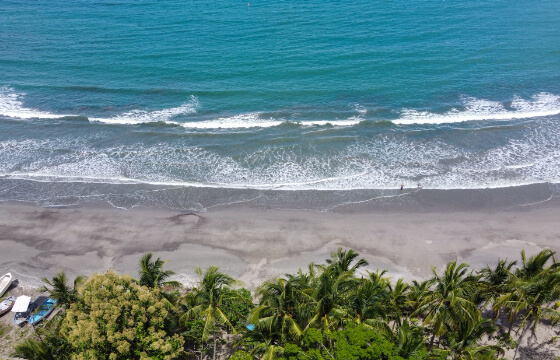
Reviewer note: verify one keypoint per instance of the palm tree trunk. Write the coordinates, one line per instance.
(511, 319)
(327, 351)
(214, 353)
(519, 341)
(201, 351)
(510, 327)
(37, 333)
(432, 342)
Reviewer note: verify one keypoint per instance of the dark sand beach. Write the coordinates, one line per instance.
(253, 243)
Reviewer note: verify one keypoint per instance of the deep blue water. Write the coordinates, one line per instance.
(283, 95)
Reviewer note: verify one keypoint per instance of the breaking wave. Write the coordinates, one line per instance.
(472, 109)
(12, 106)
(135, 117)
(542, 104)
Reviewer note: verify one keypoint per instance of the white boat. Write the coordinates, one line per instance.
(7, 304)
(21, 308)
(5, 282)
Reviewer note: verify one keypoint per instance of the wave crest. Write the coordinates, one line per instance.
(472, 109)
(142, 116)
(542, 104)
(12, 106)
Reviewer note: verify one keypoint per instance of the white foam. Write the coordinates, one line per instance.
(378, 163)
(519, 166)
(360, 109)
(354, 120)
(542, 104)
(253, 120)
(12, 106)
(142, 116)
(241, 121)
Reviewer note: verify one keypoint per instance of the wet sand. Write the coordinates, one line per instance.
(254, 244)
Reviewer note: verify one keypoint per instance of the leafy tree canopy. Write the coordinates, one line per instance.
(118, 319)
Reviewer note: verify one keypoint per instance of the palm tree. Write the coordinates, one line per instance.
(497, 277)
(60, 290)
(31, 349)
(207, 299)
(535, 298)
(331, 289)
(329, 298)
(448, 304)
(417, 294)
(496, 280)
(408, 340)
(463, 341)
(398, 300)
(341, 261)
(378, 277)
(277, 313)
(259, 343)
(369, 305)
(532, 288)
(53, 347)
(536, 264)
(152, 274)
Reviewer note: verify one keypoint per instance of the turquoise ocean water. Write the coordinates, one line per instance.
(189, 104)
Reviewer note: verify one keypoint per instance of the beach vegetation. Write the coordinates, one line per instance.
(152, 274)
(58, 288)
(116, 318)
(48, 347)
(447, 305)
(329, 311)
(208, 301)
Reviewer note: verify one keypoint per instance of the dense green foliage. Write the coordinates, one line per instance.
(116, 318)
(353, 343)
(325, 313)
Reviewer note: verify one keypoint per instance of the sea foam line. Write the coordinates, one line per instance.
(47, 178)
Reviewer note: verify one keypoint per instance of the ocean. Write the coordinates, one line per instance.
(308, 104)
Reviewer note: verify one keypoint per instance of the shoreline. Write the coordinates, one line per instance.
(181, 198)
(254, 243)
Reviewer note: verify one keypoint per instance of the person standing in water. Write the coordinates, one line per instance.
(402, 186)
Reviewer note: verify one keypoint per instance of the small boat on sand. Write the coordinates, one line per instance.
(7, 304)
(42, 311)
(21, 308)
(5, 282)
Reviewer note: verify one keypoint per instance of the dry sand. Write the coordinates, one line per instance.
(256, 244)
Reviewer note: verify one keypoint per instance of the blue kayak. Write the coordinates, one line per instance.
(42, 311)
